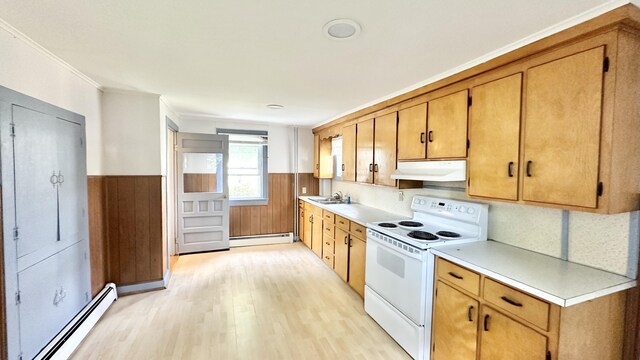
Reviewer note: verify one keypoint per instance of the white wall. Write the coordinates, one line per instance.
(27, 68)
(280, 140)
(132, 136)
(608, 242)
(305, 150)
(165, 111)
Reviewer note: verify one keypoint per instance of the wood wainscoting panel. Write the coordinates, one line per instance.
(135, 222)
(308, 181)
(98, 245)
(274, 218)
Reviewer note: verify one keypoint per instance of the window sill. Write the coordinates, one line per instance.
(248, 202)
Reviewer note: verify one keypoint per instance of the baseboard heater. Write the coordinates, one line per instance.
(252, 240)
(67, 340)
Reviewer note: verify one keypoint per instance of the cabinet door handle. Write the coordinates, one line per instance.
(342, 167)
(375, 168)
(510, 169)
(317, 166)
(430, 136)
(350, 242)
(529, 168)
(455, 275)
(470, 313)
(370, 167)
(486, 322)
(510, 301)
(421, 138)
(345, 239)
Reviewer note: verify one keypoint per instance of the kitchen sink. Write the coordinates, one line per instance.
(326, 201)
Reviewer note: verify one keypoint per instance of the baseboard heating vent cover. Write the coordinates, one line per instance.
(66, 342)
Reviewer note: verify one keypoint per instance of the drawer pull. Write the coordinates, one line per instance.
(486, 322)
(512, 302)
(455, 275)
(358, 230)
(328, 229)
(327, 243)
(470, 313)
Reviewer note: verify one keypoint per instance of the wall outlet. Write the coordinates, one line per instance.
(400, 196)
(304, 190)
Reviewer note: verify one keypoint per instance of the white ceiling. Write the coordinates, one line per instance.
(230, 58)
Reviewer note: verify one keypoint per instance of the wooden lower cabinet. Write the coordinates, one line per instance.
(357, 256)
(455, 324)
(341, 255)
(504, 323)
(505, 339)
(316, 235)
(327, 250)
(301, 222)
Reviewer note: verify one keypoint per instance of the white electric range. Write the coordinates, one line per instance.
(399, 275)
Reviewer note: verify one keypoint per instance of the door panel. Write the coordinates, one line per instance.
(447, 126)
(316, 155)
(506, 339)
(308, 227)
(412, 133)
(357, 257)
(455, 325)
(325, 159)
(203, 209)
(364, 152)
(349, 153)
(36, 165)
(494, 134)
(562, 130)
(316, 236)
(52, 292)
(341, 257)
(72, 183)
(385, 141)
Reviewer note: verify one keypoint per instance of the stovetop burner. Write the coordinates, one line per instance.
(410, 224)
(387, 225)
(449, 234)
(422, 235)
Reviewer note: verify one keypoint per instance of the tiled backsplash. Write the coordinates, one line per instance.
(608, 242)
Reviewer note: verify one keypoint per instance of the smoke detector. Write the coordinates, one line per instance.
(341, 29)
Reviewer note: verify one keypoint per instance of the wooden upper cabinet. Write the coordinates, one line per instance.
(316, 155)
(455, 325)
(494, 135)
(505, 339)
(385, 141)
(447, 126)
(349, 153)
(364, 152)
(562, 130)
(326, 159)
(412, 133)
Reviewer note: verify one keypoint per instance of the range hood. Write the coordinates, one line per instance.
(455, 170)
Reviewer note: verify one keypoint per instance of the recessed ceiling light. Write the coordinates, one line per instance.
(341, 29)
(275, 106)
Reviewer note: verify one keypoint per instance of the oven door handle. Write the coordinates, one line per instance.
(401, 252)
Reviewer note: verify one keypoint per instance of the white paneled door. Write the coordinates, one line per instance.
(203, 192)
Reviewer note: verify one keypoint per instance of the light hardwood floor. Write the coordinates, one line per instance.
(266, 302)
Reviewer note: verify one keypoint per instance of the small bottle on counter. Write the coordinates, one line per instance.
(348, 199)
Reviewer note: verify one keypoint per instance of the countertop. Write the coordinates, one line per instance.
(360, 214)
(558, 281)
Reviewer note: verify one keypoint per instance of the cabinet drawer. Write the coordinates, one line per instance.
(328, 216)
(327, 246)
(464, 278)
(328, 259)
(518, 303)
(328, 229)
(358, 230)
(342, 223)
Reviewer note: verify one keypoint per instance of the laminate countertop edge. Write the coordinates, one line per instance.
(355, 212)
(613, 283)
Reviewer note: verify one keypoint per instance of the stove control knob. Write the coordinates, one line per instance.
(471, 210)
(422, 202)
(462, 209)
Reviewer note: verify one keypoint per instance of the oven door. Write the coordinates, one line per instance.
(398, 276)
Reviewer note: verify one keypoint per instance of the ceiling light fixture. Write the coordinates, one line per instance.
(275, 106)
(341, 29)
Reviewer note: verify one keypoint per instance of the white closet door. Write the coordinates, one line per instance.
(72, 182)
(35, 161)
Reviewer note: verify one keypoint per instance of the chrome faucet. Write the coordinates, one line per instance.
(338, 196)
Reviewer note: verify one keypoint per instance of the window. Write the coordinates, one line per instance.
(248, 169)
